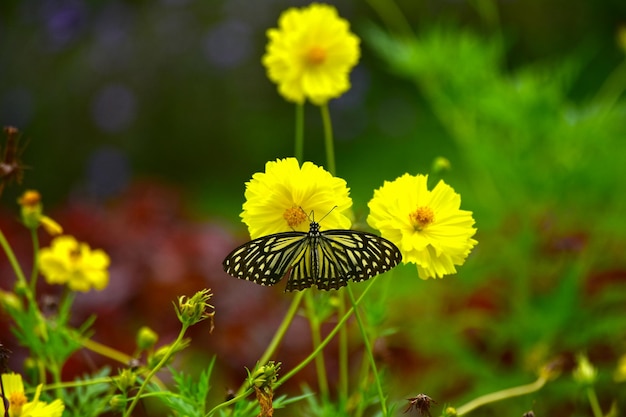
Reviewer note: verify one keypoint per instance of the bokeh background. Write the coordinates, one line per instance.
(143, 120)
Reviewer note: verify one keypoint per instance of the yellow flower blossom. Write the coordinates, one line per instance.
(311, 53)
(70, 262)
(281, 199)
(19, 406)
(428, 226)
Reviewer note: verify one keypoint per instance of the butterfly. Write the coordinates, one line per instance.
(327, 259)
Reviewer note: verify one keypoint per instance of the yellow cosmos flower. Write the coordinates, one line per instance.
(428, 226)
(281, 199)
(69, 262)
(311, 54)
(19, 406)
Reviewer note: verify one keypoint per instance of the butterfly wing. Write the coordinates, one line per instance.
(346, 255)
(266, 260)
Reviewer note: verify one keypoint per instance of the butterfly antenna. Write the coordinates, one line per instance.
(329, 211)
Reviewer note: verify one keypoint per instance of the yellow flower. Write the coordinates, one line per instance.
(74, 263)
(428, 226)
(281, 199)
(19, 406)
(311, 54)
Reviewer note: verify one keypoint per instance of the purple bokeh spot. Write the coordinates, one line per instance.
(228, 44)
(114, 108)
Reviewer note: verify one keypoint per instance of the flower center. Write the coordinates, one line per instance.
(316, 55)
(294, 216)
(17, 401)
(74, 255)
(422, 217)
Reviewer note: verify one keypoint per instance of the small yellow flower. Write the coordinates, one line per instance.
(19, 406)
(311, 54)
(69, 262)
(428, 226)
(281, 199)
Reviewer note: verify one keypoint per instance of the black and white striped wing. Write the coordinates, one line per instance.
(351, 255)
(266, 260)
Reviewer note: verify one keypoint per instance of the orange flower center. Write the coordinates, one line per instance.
(294, 216)
(75, 254)
(17, 401)
(422, 217)
(316, 55)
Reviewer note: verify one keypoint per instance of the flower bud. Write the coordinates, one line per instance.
(585, 373)
(126, 380)
(191, 310)
(146, 338)
(265, 375)
(118, 403)
(10, 302)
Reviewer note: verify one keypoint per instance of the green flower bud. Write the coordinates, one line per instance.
(126, 380)
(193, 310)
(265, 375)
(585, 373)
(118, 403)
(146, 338)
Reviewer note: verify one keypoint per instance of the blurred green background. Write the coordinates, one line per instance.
(157, 112)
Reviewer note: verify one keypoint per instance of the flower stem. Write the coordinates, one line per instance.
(613, 87)
(316, 337)
(324, 342)
(282, 329)
(14, 264)
(501, 395)
(370, 353)
(343, 352)
(280, 332)
(328, 139)
(593, 402)
(233, 400)
(35, 272)
(105, 351)
(173, 347)
(299, 134)
(21, 281)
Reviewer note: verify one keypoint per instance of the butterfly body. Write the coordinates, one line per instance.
(327, 259)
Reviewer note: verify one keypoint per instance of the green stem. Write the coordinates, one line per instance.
(23, 285)
(233, 400)
(105, 351)
(370, 353)
(328, 139)
(35, 272)
(280, 332)
(501, 395)
(613, 87)
(299, 134)
(173, 347)
(316, 337)
(72, 384)
(324, 342)
(21, 279)
(282, 329)
(593, 402)
(343, 352)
